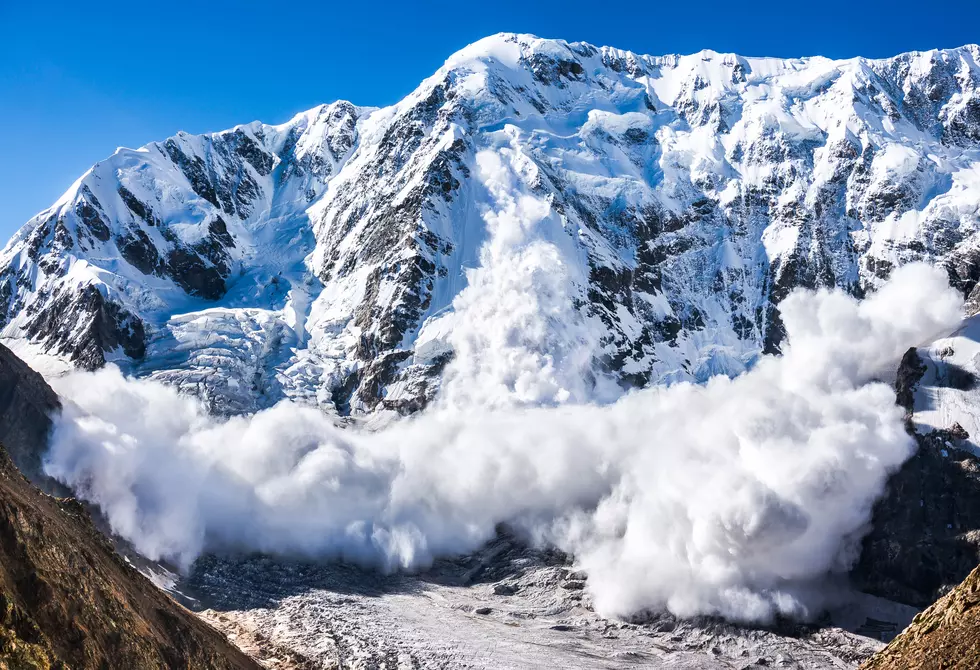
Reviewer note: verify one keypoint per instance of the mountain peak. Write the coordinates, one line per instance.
(685, 196)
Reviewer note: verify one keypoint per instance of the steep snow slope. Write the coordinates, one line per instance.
(566, 220)
(184, 258)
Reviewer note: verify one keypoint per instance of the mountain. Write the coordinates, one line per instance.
(565, 206)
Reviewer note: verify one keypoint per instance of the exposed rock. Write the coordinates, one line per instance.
(957, 433)
(925, 529)
(84, 324)
(504, 589)
(26, 406)
(257, 644)
(910, 371)
(67, 600)
(946, 635)
(195, 275)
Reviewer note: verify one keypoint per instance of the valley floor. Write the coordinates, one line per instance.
(506, 607)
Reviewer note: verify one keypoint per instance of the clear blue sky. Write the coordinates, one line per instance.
(79, 79)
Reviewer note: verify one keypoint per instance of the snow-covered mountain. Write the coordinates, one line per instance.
(566, 221)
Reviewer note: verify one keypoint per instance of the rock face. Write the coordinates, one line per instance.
(68, 601)
(26, 406)
(925, 535)
(676, 200)
(946, 635)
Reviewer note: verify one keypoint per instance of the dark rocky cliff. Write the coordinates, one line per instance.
(26, 405)
(925, 535)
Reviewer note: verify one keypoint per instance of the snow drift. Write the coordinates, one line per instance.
(727, 498)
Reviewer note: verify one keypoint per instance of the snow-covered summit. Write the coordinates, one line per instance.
(561, 221)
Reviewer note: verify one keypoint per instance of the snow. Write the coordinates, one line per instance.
(47, 365)
(632, 211)
(334, 614)
(602, 147)
(948, 392)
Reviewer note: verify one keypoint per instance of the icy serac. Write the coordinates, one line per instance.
(566, 220)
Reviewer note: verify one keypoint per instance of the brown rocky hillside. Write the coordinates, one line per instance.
(67, 600)
(946, 635)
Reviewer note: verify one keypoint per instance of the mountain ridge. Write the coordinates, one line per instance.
(680, 197)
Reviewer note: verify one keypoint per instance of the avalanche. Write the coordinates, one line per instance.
(735, 498)
(541, 247)
(679, 199)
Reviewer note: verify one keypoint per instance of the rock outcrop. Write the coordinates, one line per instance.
(925, 534)
(26, 406)
(946, 635)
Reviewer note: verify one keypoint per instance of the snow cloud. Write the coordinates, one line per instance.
(517, 337)
(728, 498)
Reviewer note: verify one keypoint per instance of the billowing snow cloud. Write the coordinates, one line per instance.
(729, 498)
(726, 498)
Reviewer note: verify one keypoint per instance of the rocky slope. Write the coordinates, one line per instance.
(925, 535)
(947, 635)
(655, 207)
(26, 407)
(67, 600)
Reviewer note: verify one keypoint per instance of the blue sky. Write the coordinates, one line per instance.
(79, 79)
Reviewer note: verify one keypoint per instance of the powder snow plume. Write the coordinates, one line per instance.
(731, 498)
(727, 498)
